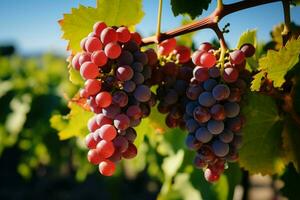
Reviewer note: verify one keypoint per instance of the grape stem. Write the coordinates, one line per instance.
(159, 12)
(210, 21)
(286, 33)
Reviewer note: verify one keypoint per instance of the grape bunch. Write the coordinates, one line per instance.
(174, 72)
(117, 88)
(212, 114)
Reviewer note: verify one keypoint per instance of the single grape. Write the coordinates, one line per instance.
(123, 34)
(200, 73)
(93, 44)
(206, 99)
(89, 70)
(131, 151)
(121, 122)
(203, 135)
(112, 50)
(215, 127)
(248, 49)
(199, 162)
(130, 134)
(124, 73)
(99, 58)
(105, 149)
(170, 69)
(211, 176)
(107, 168)
(217, 112)
(137, 66)
(134, 112)
(234, 124)
(98, 28)
(230, 75)
(120, 98)
(232, 109)
(82, 43)
(103, 99)
(226, 136)
(147, 72)
(189, 109)
(167, 46)
(221, 92)
(107, 132)
(221, 149)
(138, 78)
(108, 35)
(92, 86)
(193, 91)
(237, 57)
(131, 46)
(152, 57)
(142, 93)
(93, 157)
(201, 114)
(207, 60)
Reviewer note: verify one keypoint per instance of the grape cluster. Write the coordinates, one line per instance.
(212, 114)
(117, 79)
(175, 72)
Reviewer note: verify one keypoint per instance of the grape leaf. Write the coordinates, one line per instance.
(75, 77)
(193, 8)
(261, 150)
(79, 23)
(257, 80)
(278, 63)
(172, 163)
(73, 124)
(291, 142)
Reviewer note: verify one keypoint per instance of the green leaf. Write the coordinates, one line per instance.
(278, 63)
(193, 8)
(73, 124)
(261, 150)
(291, 142)
(247, 37)
(257, 80)
(75, 77)
(79, 23)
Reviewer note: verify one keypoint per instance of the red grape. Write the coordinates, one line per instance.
(93, 44)
(107, 168)
(99, 58)
(112, 50)
(89, 70)
(108, 35)
(103, 99)
(123, 34)
(105, 148)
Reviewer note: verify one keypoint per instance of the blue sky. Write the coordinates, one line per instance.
(32, 25)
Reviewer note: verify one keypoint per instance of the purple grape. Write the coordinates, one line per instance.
(193, 92)
(120, 98)
(248, 49)
(137, 66)
(147, 72)
(125, 58)
(138, 78)
(221, 92)
(226, 136)
(203, 135)
(129, 86)
(111, 111)
(189, 109)
(201, 114)
(206, 99)
(214, 72)
(221, 149)
(192, 143)
(171, 97)
(215, 127)
(142, 93)
(231, 109)
(120, 143)
(141, 57)
(121, 122)
(130, 134)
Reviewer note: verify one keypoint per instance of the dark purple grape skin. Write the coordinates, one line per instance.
(125, 58)
(138, 78)
(221, 92)
(120, 143)
(171, 97)
(141, 57)
(142, 93)
(209, 84)
(137, 66)
(215, 127)
(206, 99)
(189, 109)
(203, 135)
(111, 111)
(120, 98)
(248, 49)
(201, 114)
(130, 134)
(226, 136)
(129, 86)
(221, 149)
(193, 92)
(191, 125)
(231, 109)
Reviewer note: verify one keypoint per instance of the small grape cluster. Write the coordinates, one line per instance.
(212, 115)
(175, 72)
(117, 88)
